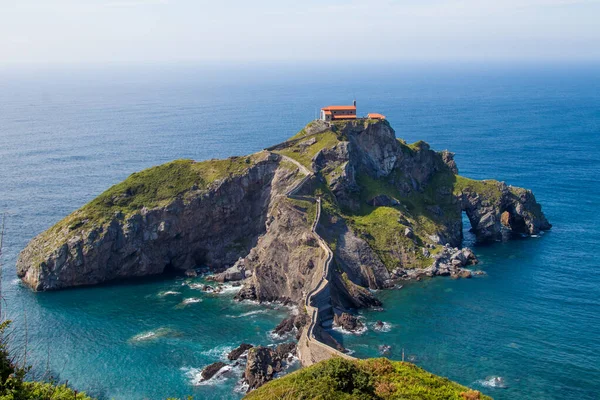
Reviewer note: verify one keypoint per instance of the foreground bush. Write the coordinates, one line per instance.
(364, 379)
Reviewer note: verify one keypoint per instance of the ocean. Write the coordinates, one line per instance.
(67, 134)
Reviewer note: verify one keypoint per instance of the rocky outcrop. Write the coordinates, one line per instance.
(211, 226)
(507, 210)
(237, 352)
(261, 366)
(211, 370)
(348, 322)
(391, 211)
(294, 322)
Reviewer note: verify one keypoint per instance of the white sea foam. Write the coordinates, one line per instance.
(493, 382)
(275, 337)
(168, 293)
(347, 332)
(196, 286)
(220, 351)
(188, 301)
(151, 335)
(195, 376)
(385, 328)
(15, 281)
(230, 289)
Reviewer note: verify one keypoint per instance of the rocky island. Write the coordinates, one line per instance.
(340, 208)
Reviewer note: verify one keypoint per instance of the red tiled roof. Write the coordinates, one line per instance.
(341, 116)
(327, 112)
(339, 108)
(375, 116)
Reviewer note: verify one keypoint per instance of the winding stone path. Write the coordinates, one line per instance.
(311, 348)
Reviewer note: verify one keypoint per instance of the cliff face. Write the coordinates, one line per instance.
(389, 209)
(210, 225)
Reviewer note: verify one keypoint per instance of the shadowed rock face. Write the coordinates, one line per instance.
(245, 220)
(211, 227)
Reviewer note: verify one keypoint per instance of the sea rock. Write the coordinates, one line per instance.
(210, 371)
(236, 353)
(285, 350)
(287, 325)
(237, 272)
(262, 364)
(348, 322)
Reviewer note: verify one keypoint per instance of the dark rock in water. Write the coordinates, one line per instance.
(379, 325)
(384, 349)
(210, 371)
(287, 325)
(348, 322)
(236, 353)
(262, 364)
(284, 350)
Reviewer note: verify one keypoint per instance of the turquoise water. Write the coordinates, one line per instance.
(533, 320)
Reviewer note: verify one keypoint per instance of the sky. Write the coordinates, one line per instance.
(197, 31)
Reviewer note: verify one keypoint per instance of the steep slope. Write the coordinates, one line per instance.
(363, 379)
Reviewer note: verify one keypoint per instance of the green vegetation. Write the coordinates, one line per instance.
(153, 187)
(376, 379)
(13, 385)
(304, 153)
(307, 207)
(488, 188)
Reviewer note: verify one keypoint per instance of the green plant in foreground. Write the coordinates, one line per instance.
(13, 385)
(375, 379)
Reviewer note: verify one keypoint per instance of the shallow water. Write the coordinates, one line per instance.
(533, 320)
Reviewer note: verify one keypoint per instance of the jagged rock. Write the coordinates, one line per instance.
(285, 350)
(236, 353)
(191, 273)
(379, 325)
(348, 322)
(210, 371)
(409, 233)
(234, 273)
(287, 325)
(262, 364)
(509, 208)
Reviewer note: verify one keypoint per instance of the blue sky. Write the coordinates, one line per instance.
(198, 31)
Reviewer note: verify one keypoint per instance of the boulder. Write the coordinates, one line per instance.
(236, 353)
(285, 350)
(348, 322)
(210, 370)
(262, 364)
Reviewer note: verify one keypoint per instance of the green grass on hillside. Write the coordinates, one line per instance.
(305, 154)
(377, 379)
(150, 188)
